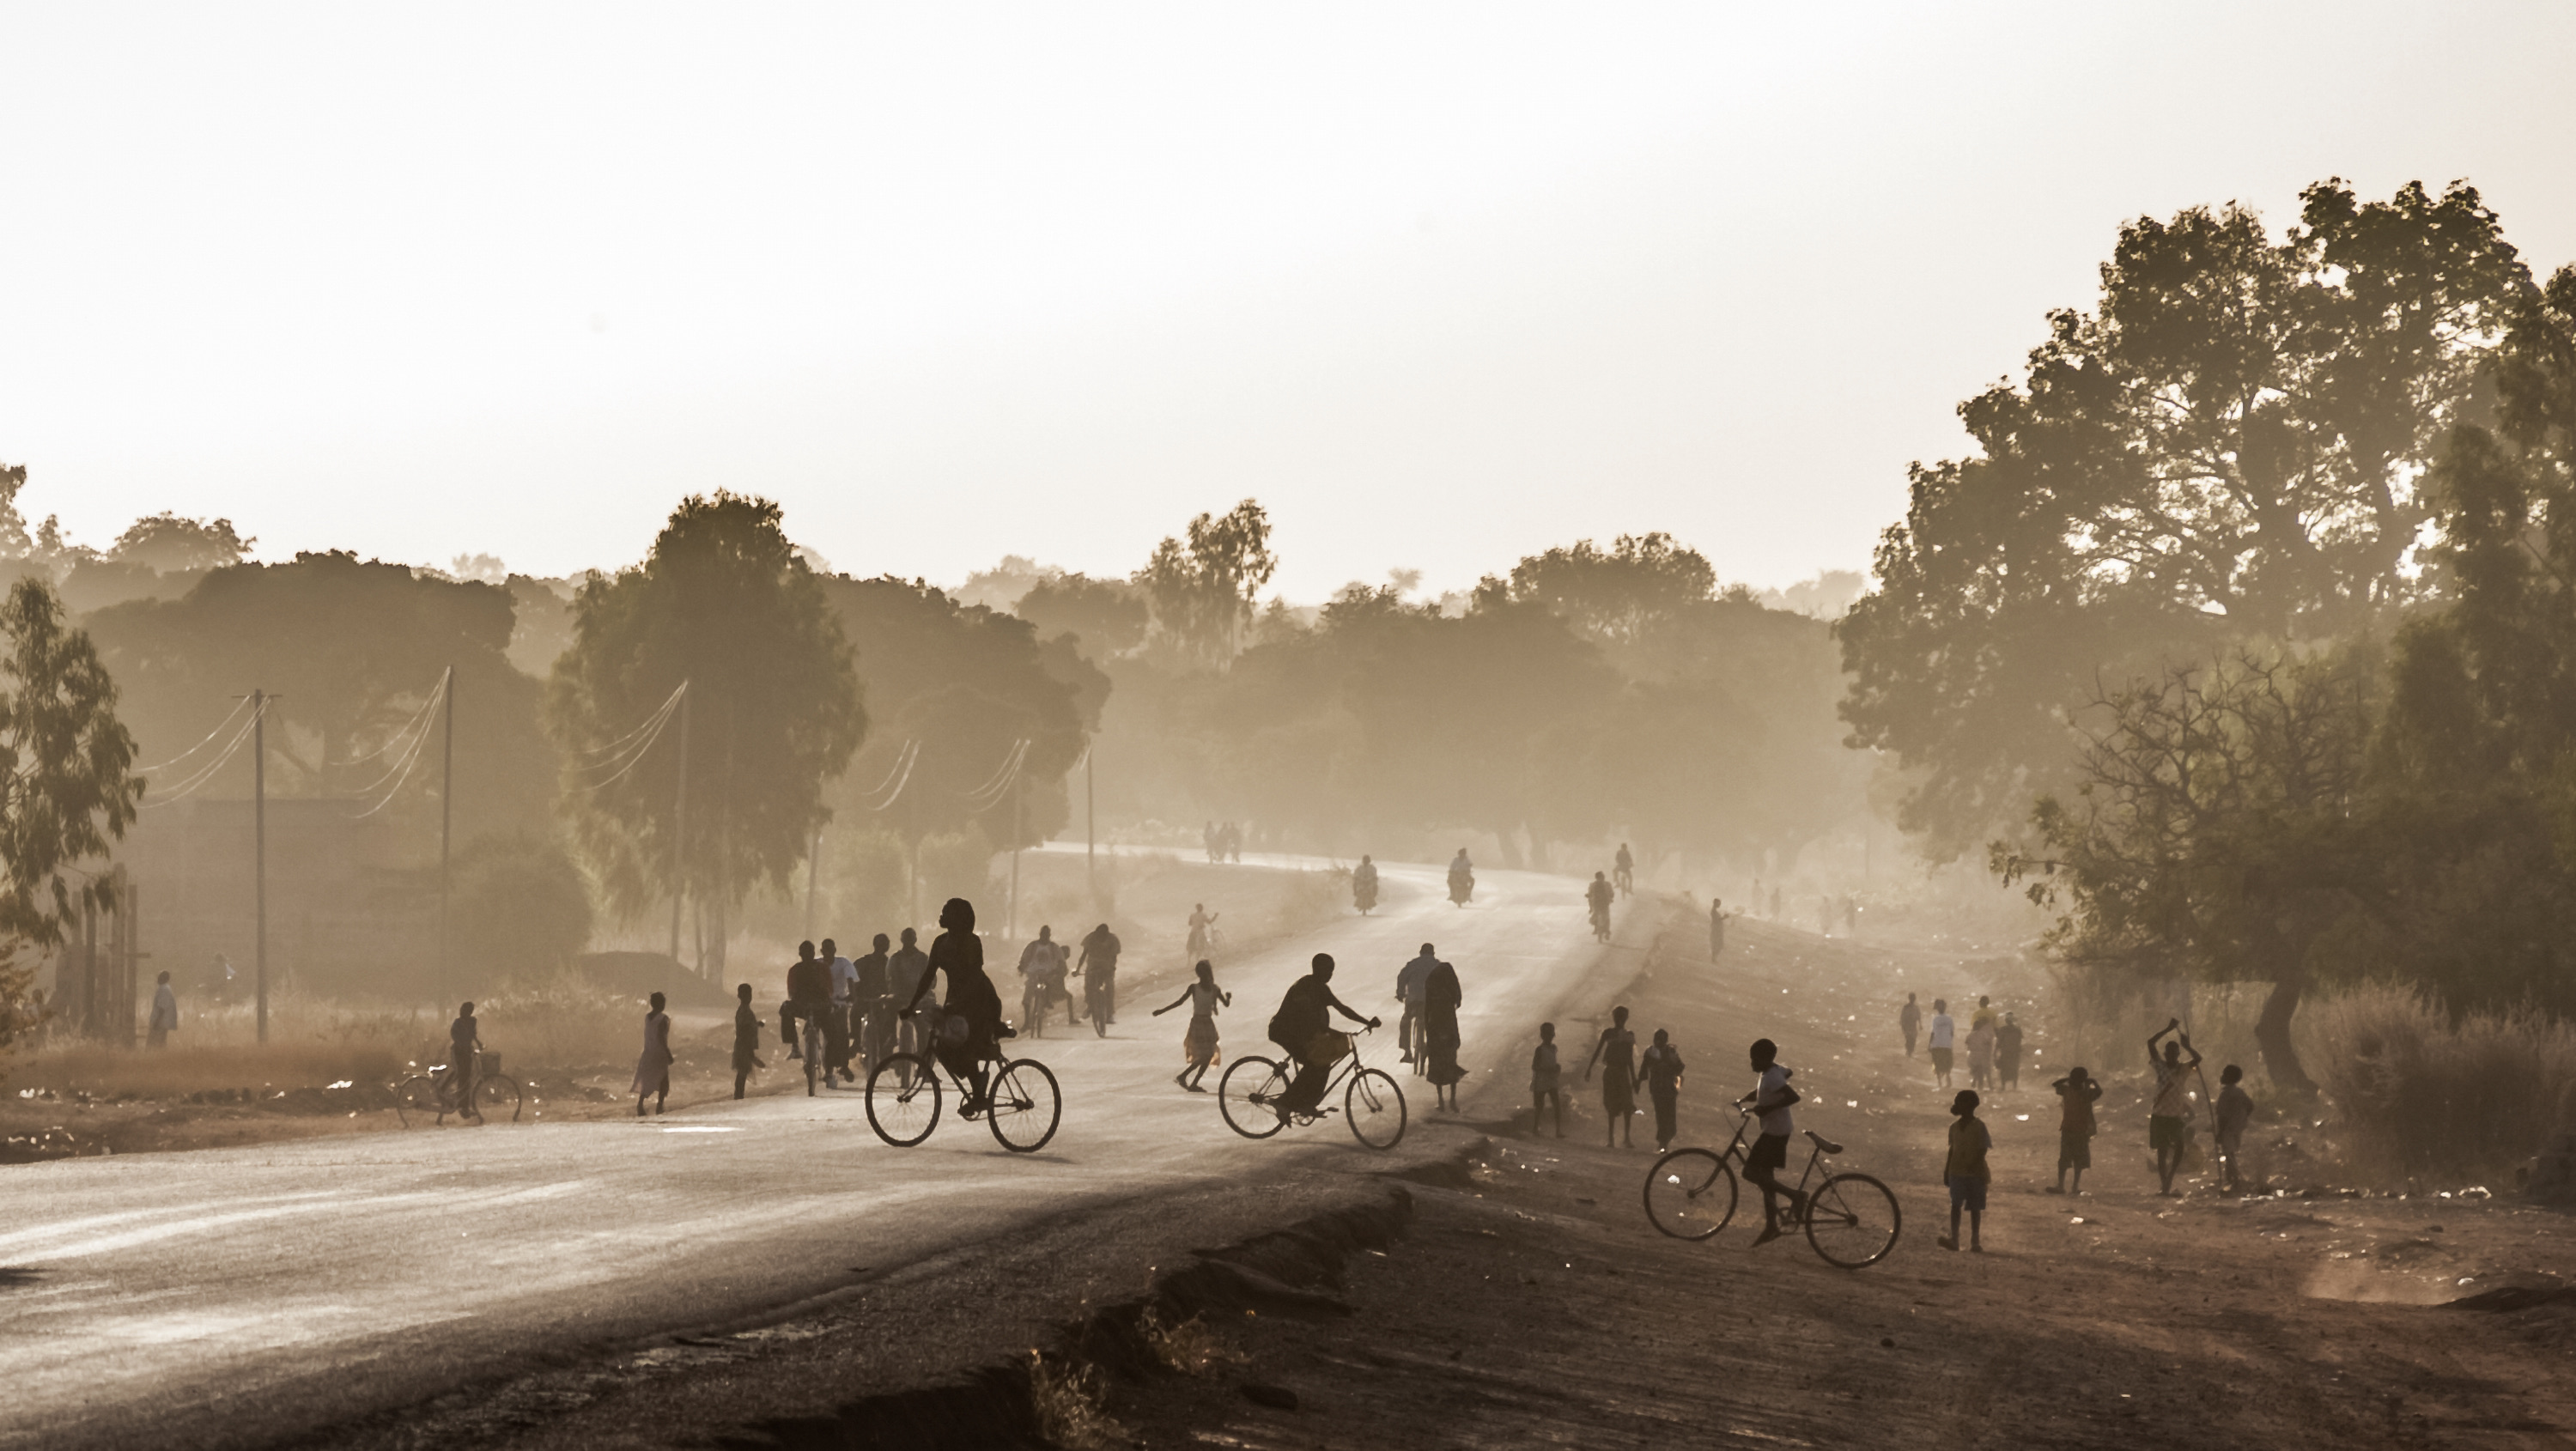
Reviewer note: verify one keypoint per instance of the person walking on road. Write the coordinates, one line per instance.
(1966, 1172)
(1441, 997)
(746, 1038)
(1408, 991)
(2076, 1093)
(2169, 1117)
(1624, 867)
(2235, 1109)
(1659, 1072)
(1981, 1052)
(1939, 1042)
(1545, 1092)
(1616, 1054)
(653, 1066)
(165, 1015)
(1198, 1044)
(1909, 1020)
(464, 1039)
(1716, 929)
(2008, 1056)
(1771, 1099)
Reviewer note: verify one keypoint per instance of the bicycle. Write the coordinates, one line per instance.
(1022, 1108)
(1249, 1095)
(434, 1093)
(1690, 1194)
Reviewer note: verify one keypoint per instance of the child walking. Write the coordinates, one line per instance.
(1967, 1171)
(1660, 1071)
(1545, 1095)
(1616, 1052)
(2235, 1108)
(2076, 1093)
(1198, 1044)
(746, 1038)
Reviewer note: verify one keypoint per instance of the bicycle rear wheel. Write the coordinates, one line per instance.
(1248, 1096)
(1025, 1106)
(903, 1100)
(494, 1092)
(1853, 1221)
(415, 1097)
(1690, 1193)
(1375, 1108)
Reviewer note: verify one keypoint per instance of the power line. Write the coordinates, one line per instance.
(410, 760)
(988, 796)
(661, 721)
(639, 730)
(201, 745)
(401, 764)
(903, 764)
(650, 730)
(418, 721)
(197, 782)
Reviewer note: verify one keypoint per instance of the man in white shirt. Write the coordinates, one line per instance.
(836, 1023)
(1408, 991)
(1944, 1039)
(1771, 1099)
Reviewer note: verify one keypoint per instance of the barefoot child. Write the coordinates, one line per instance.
(1966, 1172)
(1616, 1053)
(2076, 1093)
(1545, 1096)
(1660, 1071)
(1198, 1044)
(2235, 1108)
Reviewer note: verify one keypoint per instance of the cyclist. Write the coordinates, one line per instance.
(970, 1021)
(871, 1013)
(1100, 949)
(1599, 895)
(1624, 869)
(1770, 1154)
(1462, 878)
(1304, 1026)
(809, 997)
(1364, 884)
(907, 965)
(1408, 991)
(1041, 979)
(837, 1037)
(1202, 929)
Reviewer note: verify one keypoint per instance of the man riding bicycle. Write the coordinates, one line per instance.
(809, 999)
(1304, 1027)
(969, 1023)
(1623, 870)
(1599, 895)
(1100, 949)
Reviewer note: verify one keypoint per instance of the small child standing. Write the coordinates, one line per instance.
(746, 1038)
(1660, 1070)
(1966, 1172)
(2235, 1108)
(1545, 1094)
(2076, 1093)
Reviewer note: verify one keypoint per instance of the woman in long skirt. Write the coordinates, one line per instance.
(1441, 996)
(653, 1070)
(1198, 1045)
(1616, 1054)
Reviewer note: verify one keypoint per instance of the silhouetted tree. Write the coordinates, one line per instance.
(1201, 591)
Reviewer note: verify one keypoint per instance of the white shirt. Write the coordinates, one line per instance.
(845, 975)
(1942, 1028)
(1777, 1121)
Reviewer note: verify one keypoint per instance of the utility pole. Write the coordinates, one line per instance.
(1012, 919)
(259, 843)
(446, 827)
(1090, 828)
(813, 868)
(679, 827)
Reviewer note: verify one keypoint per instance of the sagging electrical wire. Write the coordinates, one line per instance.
(242, 705)
(428, 714)
(650, 731)
(197, 782)
(898, 777)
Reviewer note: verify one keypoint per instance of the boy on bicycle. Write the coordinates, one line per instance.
(1304, 1026)
(1771, 1099)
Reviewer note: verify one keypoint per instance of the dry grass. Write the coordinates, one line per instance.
(1071, 1400)
(1189, 1347)
(2422, 1099)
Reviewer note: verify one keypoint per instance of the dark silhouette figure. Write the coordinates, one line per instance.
(746, 1038)
(2169, 1116)
(1616, 1052)
(1659, 1072)
(165, 1014)
(1100, 949)
(809, 1001)
(970, 1020)
(1304, 1027)
(1462, 878)
(653, 1067)
(1909, 1020)
(1198, 1044)
(1546, 1094)
(1041, 981)
(872, 1005)
(836, 1017)
(1944, 1037)
(1966, 1172)
(1202, 931)
(2008, 1055)
(905, 966)
(1441, 996)
(1598, 896)
(1771, 1098)
(1623, 869)
(1716, 929)
(464, 1037)
(1364, 885)
(2077, 1093)
(2235, 1109)
(1408, 991)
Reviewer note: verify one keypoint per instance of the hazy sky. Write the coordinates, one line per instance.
(1440, 285)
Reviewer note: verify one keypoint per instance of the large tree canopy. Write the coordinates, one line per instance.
(2227, 448)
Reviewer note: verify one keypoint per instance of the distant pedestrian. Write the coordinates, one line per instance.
(2235, 1109)
(1545, 1093)
(1981, 1053)
(1716, 929)
(1966, 1172)
(1985, 1012)
(2169, 1117)
(746, 1038)
(837, 1038)
(1441, 997)
(653, 1067)
(2077, 1093)
(165, 1015)
(1659, 1071)
(1616, 1054)
(1198, 1044)
(2008, 1055)
(1408, 991)
(1909, 1021)
(464, 1036)
(1943, 1036)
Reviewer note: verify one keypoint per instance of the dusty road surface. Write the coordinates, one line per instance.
(247, 1296)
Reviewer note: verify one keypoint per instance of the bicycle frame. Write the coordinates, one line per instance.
(1743, 1156)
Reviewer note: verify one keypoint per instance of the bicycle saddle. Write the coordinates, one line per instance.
(1826, 1144)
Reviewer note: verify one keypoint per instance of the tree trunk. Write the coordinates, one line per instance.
(2272, 1035)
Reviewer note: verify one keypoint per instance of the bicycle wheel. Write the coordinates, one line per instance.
(1026, 1106)
(903, 1100)
(415, 1097)
(494, 1092)
(1375, 1107)
(1852, 1220)
(1690, 1193)
(1248, 1094)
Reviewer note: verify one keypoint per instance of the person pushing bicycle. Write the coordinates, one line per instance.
(1771, 1099)
(1304, 1026)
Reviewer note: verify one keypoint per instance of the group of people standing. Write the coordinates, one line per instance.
(1224, 843)
(1995, 1043)
(1623, 1072)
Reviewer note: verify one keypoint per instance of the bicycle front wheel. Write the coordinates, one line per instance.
(1248, 1096)
(494, 1092)
(415, 1097)
(1375, 1108)
(1025, 1106)
(1853, 1221)
(1690, 1193)
(903, 1100)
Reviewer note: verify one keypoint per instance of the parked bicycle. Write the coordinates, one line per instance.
(1851, 1220)
(1252, 1089)
(432, 1095)
(904, 1099)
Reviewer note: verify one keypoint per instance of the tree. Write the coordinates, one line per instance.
(167, 544)
(1201, 592)
(67, 789)
(2225, 450)
(522, 909)
(1109, 616)
(724, 605)
(1615, 596)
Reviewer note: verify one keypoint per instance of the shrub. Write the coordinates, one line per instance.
(522, 909)
(2422, 1095)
